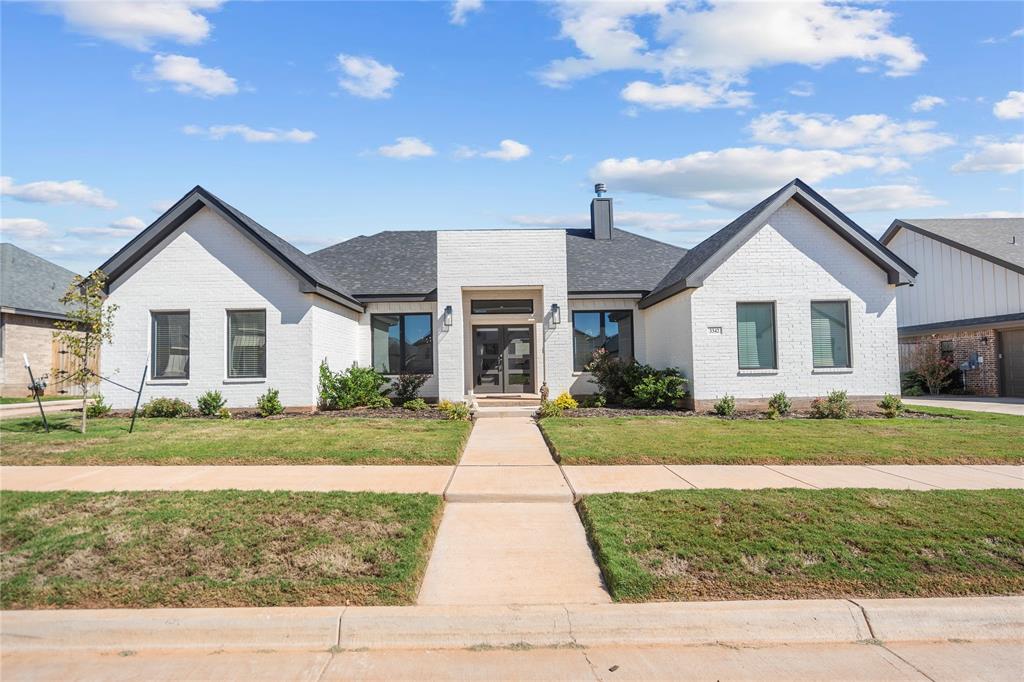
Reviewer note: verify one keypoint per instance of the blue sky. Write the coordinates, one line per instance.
(327, 120)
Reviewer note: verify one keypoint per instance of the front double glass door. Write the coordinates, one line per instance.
(503, 359)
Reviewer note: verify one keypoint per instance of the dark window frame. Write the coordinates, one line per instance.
(496, 301)
(775, 337)
(401, 346)
(849, 335)
(603, 312)
(152, 345)
(266, 355)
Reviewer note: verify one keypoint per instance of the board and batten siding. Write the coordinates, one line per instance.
(792, 260)
(208, 267)
(952, 284)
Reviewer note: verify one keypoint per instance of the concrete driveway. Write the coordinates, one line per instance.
(969, 402)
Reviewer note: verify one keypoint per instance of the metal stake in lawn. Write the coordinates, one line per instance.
(138, 393)
(32, 383)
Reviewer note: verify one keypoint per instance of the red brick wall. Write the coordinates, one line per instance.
(982, 381)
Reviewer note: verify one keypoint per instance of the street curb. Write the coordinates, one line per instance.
(748, 623)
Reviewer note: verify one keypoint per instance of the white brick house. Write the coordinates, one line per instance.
(792, 296)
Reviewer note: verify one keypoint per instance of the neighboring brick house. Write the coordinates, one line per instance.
(30, 291)
(791, 296)
(968, 297)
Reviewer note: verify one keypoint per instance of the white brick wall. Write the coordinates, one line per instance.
(501, 258)
(793, 260)
(207, 267)
(668, 334)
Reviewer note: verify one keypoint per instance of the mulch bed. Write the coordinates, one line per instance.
(739, 415)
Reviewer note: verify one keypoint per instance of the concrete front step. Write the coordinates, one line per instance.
(503, 412)
(508, 402)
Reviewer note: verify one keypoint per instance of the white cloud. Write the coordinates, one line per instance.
(219, 132)
(725, 41)
(461, 8)
(927, 103)
(508, 150)
(138, 24)
(684, 96)
(161, 205)
(23, 228)
(366, 77)
(56, 192)
(881, 198)
(1010, 108)
(802, 89)
(406, 148)
(866, 132)
(129, 223)
(630, 220)
(128, 226)
(992, 155)
(733, 177)
(190, 77)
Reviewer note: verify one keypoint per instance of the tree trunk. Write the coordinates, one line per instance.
(85, 403)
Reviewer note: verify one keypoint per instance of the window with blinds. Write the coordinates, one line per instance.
(170, 345)
(247, 344)
(830, 333)
(755, 334)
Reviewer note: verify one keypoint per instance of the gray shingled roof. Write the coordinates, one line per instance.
(999, 238)
(29, 283)
(626, 262)
(386, 263)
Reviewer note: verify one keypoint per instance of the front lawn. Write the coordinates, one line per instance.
(300, 440)
(223, 548)
(958, 438)
(801, 544)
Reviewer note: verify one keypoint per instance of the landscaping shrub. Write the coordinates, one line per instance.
(269, 403)
(726, 406)
(210, 403)
(913, 391)
(454, 411)
(780, 404)
(659, 390)
(353, 387)
(97, 408)
(224, 413)
(596, 400)
(416, 404)
(936, 372)
(549, 408)
(834, 406)
(566, 401)
(407, 387)
(166, 408)
(891, 405)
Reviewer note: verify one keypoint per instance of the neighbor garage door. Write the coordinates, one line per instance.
(1013, 362)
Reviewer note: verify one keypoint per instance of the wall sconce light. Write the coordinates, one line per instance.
(556, 315)
(446, 319)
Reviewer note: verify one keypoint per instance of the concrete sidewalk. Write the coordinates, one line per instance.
(967, 402)
(16, 410)
(587, 480)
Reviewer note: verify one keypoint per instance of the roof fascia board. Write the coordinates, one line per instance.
(607, 294)
(677, 288)
(397, 298)
(32, 313)
(973, 322)
(902, 224)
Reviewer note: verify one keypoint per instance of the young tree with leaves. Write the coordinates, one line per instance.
(89, 324)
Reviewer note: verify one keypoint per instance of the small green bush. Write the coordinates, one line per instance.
(549, 408)
(224, 413)
(166, 408)
(210, 403)
(566, 401)
(269, 403)
(454, 411)
(407, 387)
(97, 408)
(416, 404)
(378, 402)
(634, 384)
(354, 387)
(726, 406)
(834, 406)
(913, 391)
(891, 405)
(596, 400)
(658, 390)
(780, 404)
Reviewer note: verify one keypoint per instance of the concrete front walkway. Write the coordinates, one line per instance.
(968, 402)
(588, 480)
(510, 533)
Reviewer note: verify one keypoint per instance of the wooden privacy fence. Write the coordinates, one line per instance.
(63, 364)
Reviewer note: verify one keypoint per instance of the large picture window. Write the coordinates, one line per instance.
(247, 344)
(170, 345)
(611, 330)
(830, 333)
(403, 343)
(755, 332)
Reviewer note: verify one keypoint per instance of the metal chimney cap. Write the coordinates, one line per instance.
(599, 188)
